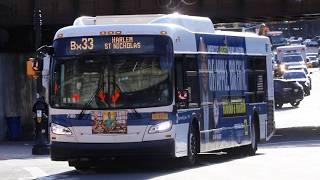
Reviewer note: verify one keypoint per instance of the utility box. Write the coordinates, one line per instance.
(14, 128)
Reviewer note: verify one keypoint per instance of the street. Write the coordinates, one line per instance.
(292, 153)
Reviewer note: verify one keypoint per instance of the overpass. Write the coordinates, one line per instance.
(17, 12)
(17, 17)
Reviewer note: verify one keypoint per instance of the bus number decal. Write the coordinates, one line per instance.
(86, 43)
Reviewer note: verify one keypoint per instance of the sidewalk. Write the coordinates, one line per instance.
(17, 150)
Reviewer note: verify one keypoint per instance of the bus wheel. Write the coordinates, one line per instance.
(252, 147)
(191, 159)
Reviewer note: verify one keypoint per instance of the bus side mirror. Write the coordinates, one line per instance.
(182, 98)
(37, 62)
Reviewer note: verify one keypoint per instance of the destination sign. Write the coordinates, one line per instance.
(122, 43)
(116, 43)
(145, 44)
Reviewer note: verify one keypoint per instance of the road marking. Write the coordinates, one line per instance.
(35, 172)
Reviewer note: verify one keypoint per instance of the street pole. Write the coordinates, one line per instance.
(41, 127)
(37, 22)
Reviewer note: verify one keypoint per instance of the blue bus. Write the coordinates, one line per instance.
(157, 85)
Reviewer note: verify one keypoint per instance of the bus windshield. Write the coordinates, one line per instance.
(113, 81)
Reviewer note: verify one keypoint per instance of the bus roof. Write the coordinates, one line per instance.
(181, 28)
(192, 23)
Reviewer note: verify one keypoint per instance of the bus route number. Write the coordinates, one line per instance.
(85, 44)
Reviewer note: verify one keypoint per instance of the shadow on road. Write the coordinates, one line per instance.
(285, 109)
(149, 168)
(145, 168)
(17, 150)
(295, 137)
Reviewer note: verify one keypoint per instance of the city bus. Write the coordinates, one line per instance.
(165, 86)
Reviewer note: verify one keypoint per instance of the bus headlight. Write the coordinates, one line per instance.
(161, 127)
(60, 130)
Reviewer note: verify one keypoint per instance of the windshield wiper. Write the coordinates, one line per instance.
(87, 104)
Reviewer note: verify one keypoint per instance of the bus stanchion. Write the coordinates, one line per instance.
(41, 146)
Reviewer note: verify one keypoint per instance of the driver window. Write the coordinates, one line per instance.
(186, 71)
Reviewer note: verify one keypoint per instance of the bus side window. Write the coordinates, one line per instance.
(179, 73)
(179, 81)
(191, 80)
(256, 70)
(186, 72)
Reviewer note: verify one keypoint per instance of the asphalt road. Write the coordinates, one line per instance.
(292, 153)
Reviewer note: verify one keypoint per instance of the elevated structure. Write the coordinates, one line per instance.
(17, 18)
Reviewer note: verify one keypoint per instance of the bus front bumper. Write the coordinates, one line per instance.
(62, 151)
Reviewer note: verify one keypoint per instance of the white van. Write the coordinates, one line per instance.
(290, 50)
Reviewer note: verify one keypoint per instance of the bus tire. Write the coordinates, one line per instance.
(252, 147)
(192, 156)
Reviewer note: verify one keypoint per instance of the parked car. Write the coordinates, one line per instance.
(310, 43)
(312, 60)
(287, 92)
(316, 38)
(299, 76)
(295, 40)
